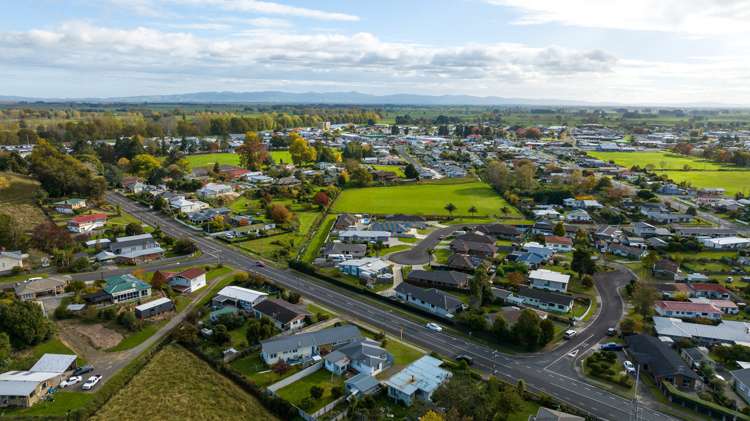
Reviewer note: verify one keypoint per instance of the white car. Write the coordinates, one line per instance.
(71, 381)
(434, 326)
(91, 382)
(570, 333)
(629, 367)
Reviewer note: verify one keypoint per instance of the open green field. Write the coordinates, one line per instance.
(423, 199)
(269, 247)
(731, 181)
(18, 201)
(660, 160)
(228, 158)
(177, 385)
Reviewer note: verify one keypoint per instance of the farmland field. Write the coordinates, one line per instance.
(660, 160)
(177, 385)
(228, 158)
(18, 201)
(424, 199)
(731, 181)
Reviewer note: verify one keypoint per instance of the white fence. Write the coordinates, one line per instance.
(296, 376)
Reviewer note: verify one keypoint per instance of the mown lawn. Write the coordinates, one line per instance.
(397, 169)
(177, 385)
(255, 370)
(424, 199)
(731, 181)
(660, 160)
(300, 389)
(27, 358)
(63, 402)
(228, 158)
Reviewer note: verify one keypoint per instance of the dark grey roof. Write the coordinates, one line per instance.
(280, 310)
(344, 220)
(545, 296)
(399, 217)
(462, 261)
(363, 382)
(704, 231)
(344, 248)
(475, 238)
(743, 375)
(365, 351)
(431, 296)
(499, 229)
(661, 359)
(666, 265)
(448, 277)
(328, 336)
(469, 246)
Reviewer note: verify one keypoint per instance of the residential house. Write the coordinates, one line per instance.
(559, 244)
(417, 381)
(549, 280)
(395, 228)
(666, 269)
(41, 287)
(365, 356)
(463, 262)
(238, 297)
(359, 236)
(362, 385)
(302, 347)
(629, 252)
(608, 233)
(345, 222)
(544, 299)
(726, 243)
(87, 223)
(582, 203)
(253, 229)
(546, 414)
(431, 300)
(646, 230)
(10, 260)
(290, 181)
(660, 361)
(181, 205)
(133, 249)
(727, 332)
(578, 215)
(726, 306)
(188, 281)
(207, 215)
(687, 310)
(709, 290)
(439, 279)
(154, 308)
(368, 268)
(474, 244)
(741, 383)
(122, 288)
(545, 213)
(214, 190)
(344, 251)
(23, 389)
(500, 231)
(412, 221)
(69, 206)
(286, 316)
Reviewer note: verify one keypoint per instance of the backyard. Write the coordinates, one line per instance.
(429, 198)
(177, 385)
(228, 158)
(299, 390)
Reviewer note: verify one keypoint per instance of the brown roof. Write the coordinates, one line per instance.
(191, 273)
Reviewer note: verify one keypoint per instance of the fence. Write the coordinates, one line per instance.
(296, 376)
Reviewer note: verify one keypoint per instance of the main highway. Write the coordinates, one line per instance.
(539, 371)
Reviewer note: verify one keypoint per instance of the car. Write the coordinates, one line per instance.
(610, 346)
(434, 326)
(83, 370)
(91, 382)
(729, 280)
(629, 367)
(260, 264)
(464, 357)
(570, 333)
(71, 381)
(611, 331)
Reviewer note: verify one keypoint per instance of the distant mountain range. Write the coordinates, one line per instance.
(343, 98)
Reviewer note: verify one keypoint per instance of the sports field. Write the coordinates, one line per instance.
(731, 181)
(424, 199)
(660, 160)
(227, 158)
(176, 385)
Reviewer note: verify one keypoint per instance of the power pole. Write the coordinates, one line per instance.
(635, 392)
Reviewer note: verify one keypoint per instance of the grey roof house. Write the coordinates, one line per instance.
(305, 346)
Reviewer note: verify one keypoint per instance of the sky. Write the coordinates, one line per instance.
(612, 51)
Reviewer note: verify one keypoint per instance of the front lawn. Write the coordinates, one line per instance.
(24, 360)
(255, 370)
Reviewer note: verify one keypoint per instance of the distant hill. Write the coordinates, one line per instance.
(278, 97)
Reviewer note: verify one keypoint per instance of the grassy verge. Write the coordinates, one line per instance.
(317, 240)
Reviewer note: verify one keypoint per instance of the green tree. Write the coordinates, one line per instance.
(559, 229)
(12, 235)
(410, 171)
(500, 328)
(24, 323)
(450, 207)
(644, 297)
(527, 331)
(360, 176)
(300, 150)
(5, 350)
(133, 228)
(144, 164)
(220, 334)
(547, 332)
(498, 176)
(473, 210)
(316, 392)
(582, 262)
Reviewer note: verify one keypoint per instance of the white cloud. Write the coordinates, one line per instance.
(689, 17)
(154, 8)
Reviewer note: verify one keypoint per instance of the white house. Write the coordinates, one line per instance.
(549, 280)
(180, 204)
(10, 260)
(418, 380)
(239, 297)
(367, 268)
(578, 215)
(188, 281)
(87, 223)
(214, 190)
(546, 214)
(726, 243)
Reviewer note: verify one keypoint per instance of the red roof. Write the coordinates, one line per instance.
(191, 273)
(558, 240)
(687, 306)
(235, 172)
(709, 287)
(88, 218)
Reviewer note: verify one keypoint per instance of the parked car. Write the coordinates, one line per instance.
(91, 382)
(610, 346)
(629, 367)
(83, 370)
(434, 326)
(464, 357)
(71, 381)
(260, 264)
(611, 331)
(570, 333)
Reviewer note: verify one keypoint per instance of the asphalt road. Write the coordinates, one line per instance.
(536, 370)
(418, 254)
